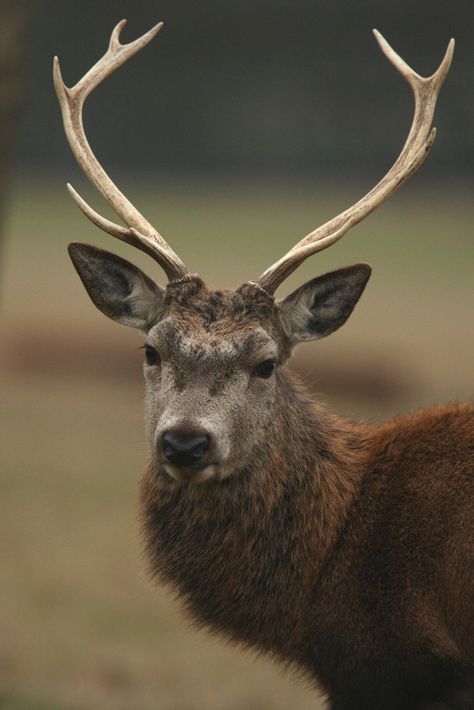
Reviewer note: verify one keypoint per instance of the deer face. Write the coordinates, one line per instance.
(210, 366)
(212, 358)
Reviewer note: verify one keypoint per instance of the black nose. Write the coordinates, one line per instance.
(185, 447)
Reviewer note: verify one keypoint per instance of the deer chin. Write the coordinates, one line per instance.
(190, 474)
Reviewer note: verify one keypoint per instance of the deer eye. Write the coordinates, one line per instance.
(265, 369)
(152, 356)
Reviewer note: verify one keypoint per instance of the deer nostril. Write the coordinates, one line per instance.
(185, 447)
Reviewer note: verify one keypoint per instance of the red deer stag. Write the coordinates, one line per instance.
(344, 550)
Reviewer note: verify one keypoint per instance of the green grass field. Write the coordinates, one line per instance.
(80, 625)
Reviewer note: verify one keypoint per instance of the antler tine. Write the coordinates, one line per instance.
(415, 150)
(138, 231)
(129, 235)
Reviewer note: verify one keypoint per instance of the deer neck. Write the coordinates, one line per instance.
(322, 458)
(307, 473)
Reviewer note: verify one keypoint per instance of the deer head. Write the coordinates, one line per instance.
(213, 358)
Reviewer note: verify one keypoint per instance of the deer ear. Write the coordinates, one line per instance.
(118, 288)
(323, 304)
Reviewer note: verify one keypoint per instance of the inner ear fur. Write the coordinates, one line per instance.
(118, 288)
(322, 305)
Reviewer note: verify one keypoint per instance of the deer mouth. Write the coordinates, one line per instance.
(194, 473)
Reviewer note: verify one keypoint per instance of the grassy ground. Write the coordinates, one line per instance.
(80, 626)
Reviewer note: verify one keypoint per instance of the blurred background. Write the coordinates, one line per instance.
(237, 131)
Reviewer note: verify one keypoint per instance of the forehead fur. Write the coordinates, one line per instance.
(194, 306)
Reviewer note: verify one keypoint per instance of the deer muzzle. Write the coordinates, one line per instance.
(187, 453)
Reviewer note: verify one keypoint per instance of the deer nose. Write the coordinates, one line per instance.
(185, 447)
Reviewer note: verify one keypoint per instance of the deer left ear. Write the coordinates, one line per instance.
(118, 288)
(323, 304)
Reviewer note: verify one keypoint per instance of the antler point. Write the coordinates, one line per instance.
(115, 36)
(380, 38)
(151, 34)
(59, 85)
(450, 49)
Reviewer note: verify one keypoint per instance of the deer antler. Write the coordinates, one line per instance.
(415, 150)
(138, 231)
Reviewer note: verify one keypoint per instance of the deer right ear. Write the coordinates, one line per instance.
(118, 288)
(323, 304)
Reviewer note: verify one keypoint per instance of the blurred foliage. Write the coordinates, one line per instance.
(278, 87)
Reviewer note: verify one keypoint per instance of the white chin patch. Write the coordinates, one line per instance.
(191, 475)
